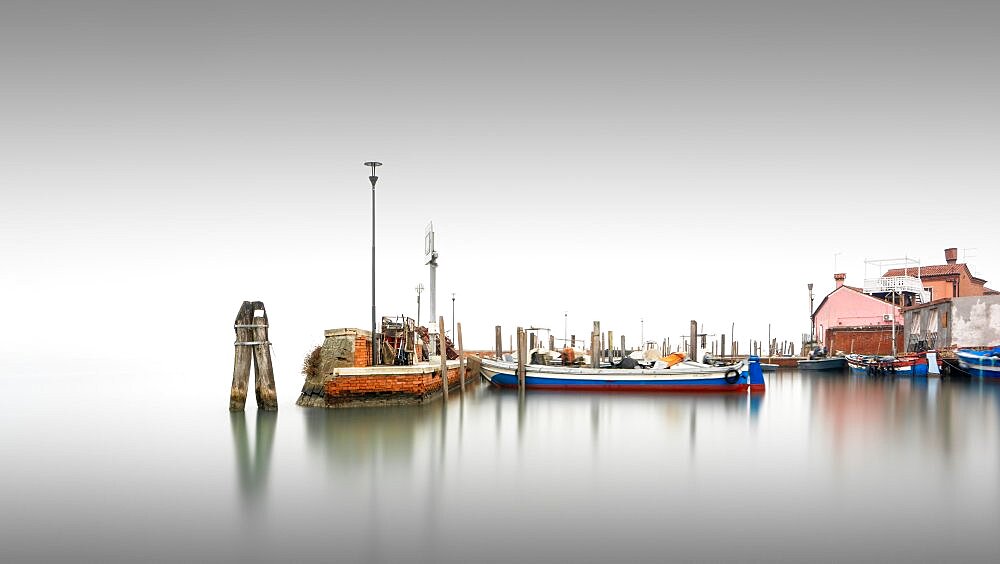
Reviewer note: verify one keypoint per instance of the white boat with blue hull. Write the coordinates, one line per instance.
(985, 364)
(687, 376)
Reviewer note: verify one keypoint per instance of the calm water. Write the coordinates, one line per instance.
(821, 468)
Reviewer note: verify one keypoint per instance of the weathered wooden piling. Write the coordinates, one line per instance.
(522, 354)
(694, 340)
(499, 350)
(623, 347)
(595, 345)
(611, 347)
(443, 349)
(461, 358)
(252, 345)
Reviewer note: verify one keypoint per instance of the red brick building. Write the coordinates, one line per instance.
(950, 280)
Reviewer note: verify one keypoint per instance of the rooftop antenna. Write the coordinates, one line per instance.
(966, 255)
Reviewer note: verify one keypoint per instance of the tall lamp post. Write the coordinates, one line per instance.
(373, 179)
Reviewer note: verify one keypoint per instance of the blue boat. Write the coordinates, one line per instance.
(687, 376)
(985, 364)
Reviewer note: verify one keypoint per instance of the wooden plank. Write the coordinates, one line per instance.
(444, 356)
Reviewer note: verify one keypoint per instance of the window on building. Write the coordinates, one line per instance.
(932, 321)
(944, 319)
(930, 294)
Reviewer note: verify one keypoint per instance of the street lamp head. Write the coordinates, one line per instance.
(373, 179)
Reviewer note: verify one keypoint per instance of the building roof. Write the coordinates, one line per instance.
(935, 270)
(845, 287)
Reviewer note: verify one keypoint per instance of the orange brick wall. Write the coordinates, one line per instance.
(863, 340)
(362, 351)
(415, 385)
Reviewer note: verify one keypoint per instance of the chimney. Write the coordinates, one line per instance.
(951, 255)
(839, 279)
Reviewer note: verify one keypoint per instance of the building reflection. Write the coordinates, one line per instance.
(353, 438)
(934, 413)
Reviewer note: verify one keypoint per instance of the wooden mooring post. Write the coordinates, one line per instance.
(694, 340)
(499, 350)
(443, 349)
(522, 354)
(252, 345)
(595, 353)
(461, 357)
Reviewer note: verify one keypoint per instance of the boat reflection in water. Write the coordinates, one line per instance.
(606, 472)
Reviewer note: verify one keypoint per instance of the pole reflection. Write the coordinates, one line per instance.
(253, 468)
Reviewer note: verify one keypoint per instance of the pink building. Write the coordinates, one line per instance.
(849, 320)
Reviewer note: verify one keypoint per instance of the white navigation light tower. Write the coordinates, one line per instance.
(430, 258)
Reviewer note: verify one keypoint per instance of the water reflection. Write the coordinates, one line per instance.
(859, 412)
(252, 468)
(812, 448)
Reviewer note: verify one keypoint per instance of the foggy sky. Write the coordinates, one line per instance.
(663, 161)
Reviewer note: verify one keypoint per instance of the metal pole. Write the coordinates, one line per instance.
(373, 179)
(812, 321)
(453, 315)
(373, 269)
(420, 288)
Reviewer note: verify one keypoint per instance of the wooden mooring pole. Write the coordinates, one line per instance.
(694, 340)
(499, 350)
(444, 356)
(461, 358)
(595, 346)
(522, 354)
(252, 345)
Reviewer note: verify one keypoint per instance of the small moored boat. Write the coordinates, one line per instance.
(686, 376)
(906, 364)
(985, 364)
(825, 363)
